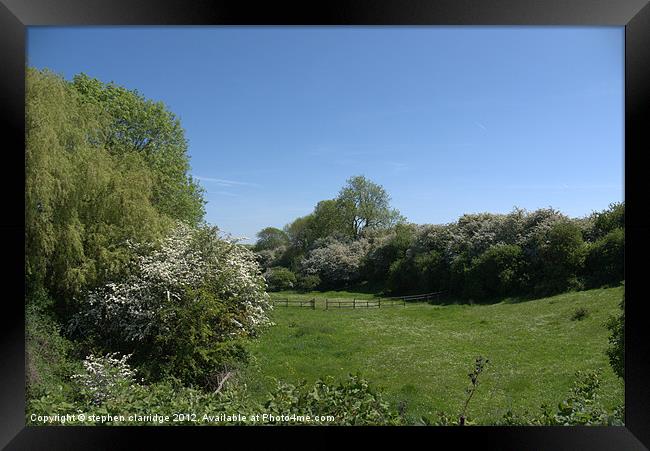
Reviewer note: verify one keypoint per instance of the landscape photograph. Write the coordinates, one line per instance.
(324, 226)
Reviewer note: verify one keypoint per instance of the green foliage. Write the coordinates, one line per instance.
(607, 221)
(279, 278)
(350, 403)
(47, 353)
(332, 218)
(582, 407)
(481, 257)
(386, 248)
(495, 273)
(271, 238)
(138, 404)
(184, 309)
(81, 202)
(191, 344)
(604, 262)
(104, 167)
(557, 258)
(300, 234)
(367, 205)
(103, 377)
(308, 282)
(479, 367)
(616, 350)
(579, 314)
(140, 126)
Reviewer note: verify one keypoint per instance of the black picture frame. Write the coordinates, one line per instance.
(634, 15)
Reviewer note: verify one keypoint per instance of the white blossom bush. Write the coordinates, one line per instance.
(104, 376)
(338, 263)
(184, 299)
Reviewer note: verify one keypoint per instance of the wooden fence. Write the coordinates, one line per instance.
(360, 303)
(311, 303)
(426, 297)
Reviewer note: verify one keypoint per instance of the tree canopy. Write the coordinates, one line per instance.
(104, 167)
(366, 204)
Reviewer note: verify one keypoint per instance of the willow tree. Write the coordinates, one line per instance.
(137, 125)
(83, 201)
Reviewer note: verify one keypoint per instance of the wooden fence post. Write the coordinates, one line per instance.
(379, 302)
(313, 303)
(326, 304)
(354, 304)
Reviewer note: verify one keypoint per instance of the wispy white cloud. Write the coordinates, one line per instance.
(481, 126)
(224, 182)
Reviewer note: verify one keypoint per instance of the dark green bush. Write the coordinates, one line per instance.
(616, 350)
(582, 407)
(556, 259)
(280, 278)
(605, 260)
(47, 354)
(495, 273)
(579, 314)
(606, 221)
(351, 403)
(308, 282)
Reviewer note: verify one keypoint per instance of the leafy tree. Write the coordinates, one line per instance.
(557, 259)
(149, 129)
(271, 238)
(368, 204)
(607, 221)
(496, 272)
(331, 218)
(82, 202)
(604, 262)
(386, 249)
(300, 233)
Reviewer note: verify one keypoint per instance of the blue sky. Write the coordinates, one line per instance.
(450, 120)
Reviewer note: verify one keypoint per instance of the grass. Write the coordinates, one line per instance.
(420, 355)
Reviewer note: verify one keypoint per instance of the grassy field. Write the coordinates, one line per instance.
(420, 354)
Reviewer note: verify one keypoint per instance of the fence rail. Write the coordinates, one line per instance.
(359, 303)
(419, 297)
(362, 303)
(310, 303)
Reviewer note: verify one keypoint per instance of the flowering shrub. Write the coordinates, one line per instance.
(337, 263)
(104, 376)
(184, 299)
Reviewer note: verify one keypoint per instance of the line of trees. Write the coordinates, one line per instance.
(480, 257)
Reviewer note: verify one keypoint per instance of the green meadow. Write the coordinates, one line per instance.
(419, 355)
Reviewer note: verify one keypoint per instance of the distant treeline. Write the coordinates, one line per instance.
(480, 257)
